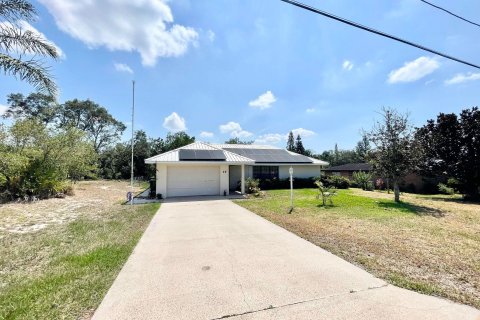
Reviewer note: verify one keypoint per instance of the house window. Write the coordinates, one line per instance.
(265, 172)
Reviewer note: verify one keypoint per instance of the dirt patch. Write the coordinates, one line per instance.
(91, 198)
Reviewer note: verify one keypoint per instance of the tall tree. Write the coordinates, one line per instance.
(37, 106)
(363, 148)
(101, 127)
(22, 52)
(177, 140)
(237, 140)
(450, 147)
(291, 142)
(394, 155)
(336, 153)
(299, 148)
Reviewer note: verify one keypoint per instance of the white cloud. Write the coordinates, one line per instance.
(145, 26)
(347, 65)
(122, 67)
(235, 130)
(413, 70)
(463, 77)
(3, 109)
(270, 138)
(264, 101)
(211, 35)
(25, 26)
(302, 132)
(310, 110)
(174, 123)
(206, 134)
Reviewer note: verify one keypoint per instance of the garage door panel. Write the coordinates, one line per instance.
(193, 181)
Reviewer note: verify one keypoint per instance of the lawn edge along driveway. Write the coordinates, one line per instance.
(217, 260)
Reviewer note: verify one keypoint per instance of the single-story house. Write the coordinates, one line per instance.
(216, 169)
(347, 170)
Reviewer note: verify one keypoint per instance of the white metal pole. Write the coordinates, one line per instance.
(291, 187)
(133, 118)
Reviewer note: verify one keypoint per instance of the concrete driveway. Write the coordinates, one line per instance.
(216, 260)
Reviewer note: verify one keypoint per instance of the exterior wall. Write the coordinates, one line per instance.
(224, 179)
(161, 179)
(302, 172)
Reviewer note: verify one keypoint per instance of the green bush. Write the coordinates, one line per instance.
(252, 186)
(363, 179)
(444, 189)
(338, 182)
(36, 160)
(298, 183)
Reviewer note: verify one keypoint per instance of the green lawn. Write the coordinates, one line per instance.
(63, 271)
(427, 244)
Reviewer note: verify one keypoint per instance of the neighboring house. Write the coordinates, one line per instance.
(347, 170)
(412, 182)
(216, 169)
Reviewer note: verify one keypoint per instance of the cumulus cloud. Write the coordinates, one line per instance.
(235, 130)
(174, 123)
(304, 133)
(414, 70)
(145, 26)
(206, 134)
(25, 26)
(122, 67)
(310, 110)
(275, 138)
(347, 65)
(463, 77)
(270, 138)
(3, 109)
(264, 101)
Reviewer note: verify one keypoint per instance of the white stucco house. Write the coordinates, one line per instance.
(216, 169)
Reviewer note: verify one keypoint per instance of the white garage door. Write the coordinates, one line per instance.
(193, 181)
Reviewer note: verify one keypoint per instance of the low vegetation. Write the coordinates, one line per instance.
(425, 243)
(58, 257)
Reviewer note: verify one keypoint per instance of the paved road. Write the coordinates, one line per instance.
(216, 260)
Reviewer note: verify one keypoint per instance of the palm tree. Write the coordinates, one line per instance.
(15, 43)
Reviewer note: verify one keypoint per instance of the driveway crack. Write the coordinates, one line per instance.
(237, 282)
(271, 307)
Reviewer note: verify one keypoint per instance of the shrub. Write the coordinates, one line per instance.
(252, 186)
(444, 189)
(362, 179)
(338, 182)
(298, 183)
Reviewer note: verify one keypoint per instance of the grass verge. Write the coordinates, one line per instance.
(430, 245)
(63, 271)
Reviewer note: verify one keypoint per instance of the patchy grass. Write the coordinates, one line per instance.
(63, 270)
(430, 244)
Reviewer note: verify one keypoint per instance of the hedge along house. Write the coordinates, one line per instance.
(201, 169)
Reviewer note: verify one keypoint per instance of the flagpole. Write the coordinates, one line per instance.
(133, 118)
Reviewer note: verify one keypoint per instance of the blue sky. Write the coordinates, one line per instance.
(258, 69)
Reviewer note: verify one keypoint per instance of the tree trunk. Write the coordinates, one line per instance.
(396, 189)
(388, 186)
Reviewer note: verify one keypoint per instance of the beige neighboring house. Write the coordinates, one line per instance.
(201, 169)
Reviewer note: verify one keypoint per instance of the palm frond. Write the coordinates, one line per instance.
(21, 41)
(31, 71)
(12, 10)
